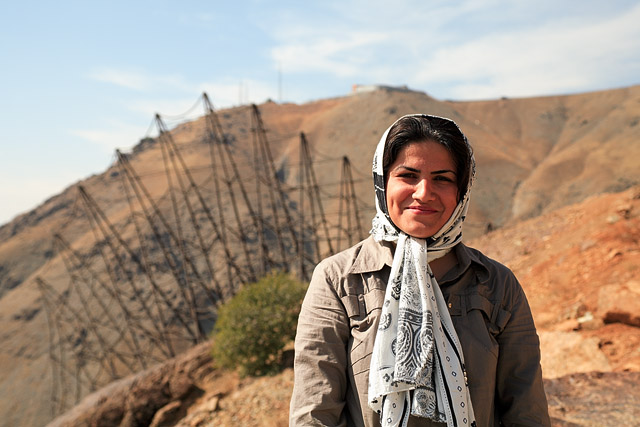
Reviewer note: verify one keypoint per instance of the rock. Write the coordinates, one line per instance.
(563, 353)
(625, 210)
(198, 420)
(594, 399)
(111, 412)
(135, 400)
(620, 303)
(634, 286)
(612, 254)
(103, 407)
(168, 414)
(575, 311)
(589, 322)
(145, 397)
(567, 325)
(180, 386)
(212, 403)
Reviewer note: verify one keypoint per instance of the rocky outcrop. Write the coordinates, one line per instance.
(594, 399)
(565, 353)
(186, 392)
(156, 396)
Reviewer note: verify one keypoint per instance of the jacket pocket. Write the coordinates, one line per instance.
(477, 321)
(364, 316)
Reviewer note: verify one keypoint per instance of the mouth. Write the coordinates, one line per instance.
(421, 210)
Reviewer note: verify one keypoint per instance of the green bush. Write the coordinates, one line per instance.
(255, 325)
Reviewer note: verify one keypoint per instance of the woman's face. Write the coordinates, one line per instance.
(422, 190)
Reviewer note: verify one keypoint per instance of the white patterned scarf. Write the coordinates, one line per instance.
(417, 365)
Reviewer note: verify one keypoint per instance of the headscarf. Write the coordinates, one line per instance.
(417, 366)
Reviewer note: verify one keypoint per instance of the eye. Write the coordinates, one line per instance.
(406, 175)
(443, 178)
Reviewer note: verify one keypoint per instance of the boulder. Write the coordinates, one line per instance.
(620, 303)
(563, 353)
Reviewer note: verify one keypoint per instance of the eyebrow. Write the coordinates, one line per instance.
(443, 171)
(410, 169)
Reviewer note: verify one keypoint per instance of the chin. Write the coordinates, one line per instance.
(420, 233)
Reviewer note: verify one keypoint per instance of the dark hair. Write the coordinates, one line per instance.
(412, 129)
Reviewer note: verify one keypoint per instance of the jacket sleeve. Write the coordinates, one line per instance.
(320, 365)
(520, 397)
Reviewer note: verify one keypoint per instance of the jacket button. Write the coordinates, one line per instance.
(450, 305)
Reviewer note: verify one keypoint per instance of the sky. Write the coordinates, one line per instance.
(79, 79)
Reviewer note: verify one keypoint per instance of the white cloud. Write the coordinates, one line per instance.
(139, 80)
(343, 55)
(226, 91)
(559, 57)
(365, 38)
(127, 79)
(467, 50)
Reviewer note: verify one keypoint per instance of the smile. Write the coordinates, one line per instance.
(420, 210)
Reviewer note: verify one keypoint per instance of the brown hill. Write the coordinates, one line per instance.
(534, 155)
(590, 334)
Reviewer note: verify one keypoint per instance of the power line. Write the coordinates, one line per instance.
(155, 277)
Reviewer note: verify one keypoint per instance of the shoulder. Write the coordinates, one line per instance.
(340, 262)
(496, 278)
(333, 269)
(365, 256)
(499, 285)
(492, 266)
(343, 270)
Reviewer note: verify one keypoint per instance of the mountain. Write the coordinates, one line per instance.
(579, 267)
(175, 224)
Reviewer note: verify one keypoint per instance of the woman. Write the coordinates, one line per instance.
(410, 326)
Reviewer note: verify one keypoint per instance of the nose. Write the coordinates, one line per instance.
(422, 191)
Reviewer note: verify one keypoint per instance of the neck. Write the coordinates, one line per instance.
(442, 265)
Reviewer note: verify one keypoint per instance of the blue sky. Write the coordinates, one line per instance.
(80, 79)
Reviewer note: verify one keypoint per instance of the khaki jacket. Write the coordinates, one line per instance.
(337, 329)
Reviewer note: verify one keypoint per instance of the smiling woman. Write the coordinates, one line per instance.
(410, 326)
(422, 189)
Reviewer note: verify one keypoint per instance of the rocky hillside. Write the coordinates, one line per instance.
(534, 156)
(586, 308)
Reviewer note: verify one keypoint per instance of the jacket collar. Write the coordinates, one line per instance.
(373, 256)
(467, 256)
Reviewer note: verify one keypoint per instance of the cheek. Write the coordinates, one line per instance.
(394, 194)
(450, 200)
(389, 201)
